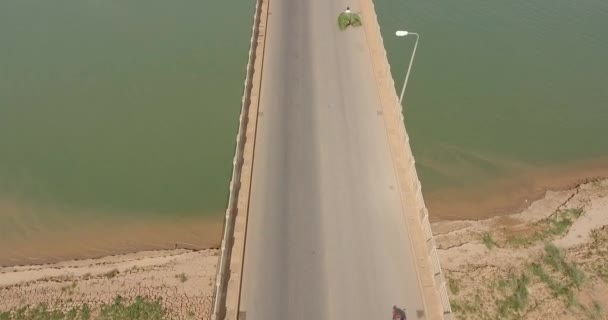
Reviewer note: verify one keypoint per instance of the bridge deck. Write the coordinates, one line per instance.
(327, 237)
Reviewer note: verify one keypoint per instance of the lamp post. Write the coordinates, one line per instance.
(402, 33)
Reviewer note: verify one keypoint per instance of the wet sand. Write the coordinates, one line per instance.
(512, 194)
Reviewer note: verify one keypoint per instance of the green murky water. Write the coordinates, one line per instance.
(128, 109)
(119, 107)
(500, 88)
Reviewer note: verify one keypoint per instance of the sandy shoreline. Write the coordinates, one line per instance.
(183, 279)
(502, 267)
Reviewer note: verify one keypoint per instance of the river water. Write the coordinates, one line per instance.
(118, 118)
(117, 123)
(505, 99)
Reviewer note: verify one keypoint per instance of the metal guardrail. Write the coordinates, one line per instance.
(222, 272)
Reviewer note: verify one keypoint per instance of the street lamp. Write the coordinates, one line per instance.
(402, 33)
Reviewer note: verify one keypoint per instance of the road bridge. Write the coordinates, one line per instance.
(329, 221)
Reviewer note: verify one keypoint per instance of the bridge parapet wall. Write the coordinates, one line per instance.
(432, 280)
(229, 270)
(230, 264)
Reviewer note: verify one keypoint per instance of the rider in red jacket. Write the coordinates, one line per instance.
(399, 313)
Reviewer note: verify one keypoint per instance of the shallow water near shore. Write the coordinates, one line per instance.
(512, 194)
(504, 97)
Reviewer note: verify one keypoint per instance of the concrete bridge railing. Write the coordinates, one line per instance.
(229, 268)
(416, 214)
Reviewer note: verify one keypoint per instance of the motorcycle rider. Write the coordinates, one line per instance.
(399, 313)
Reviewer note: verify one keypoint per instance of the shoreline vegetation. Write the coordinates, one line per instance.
(549, 261)
(165, 284)
(139, 309)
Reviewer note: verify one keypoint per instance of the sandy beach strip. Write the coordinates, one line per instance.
(182, 279)
(549, 261)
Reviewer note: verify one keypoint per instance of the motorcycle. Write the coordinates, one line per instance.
(399, 314)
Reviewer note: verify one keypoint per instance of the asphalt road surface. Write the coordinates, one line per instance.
(326, 236)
